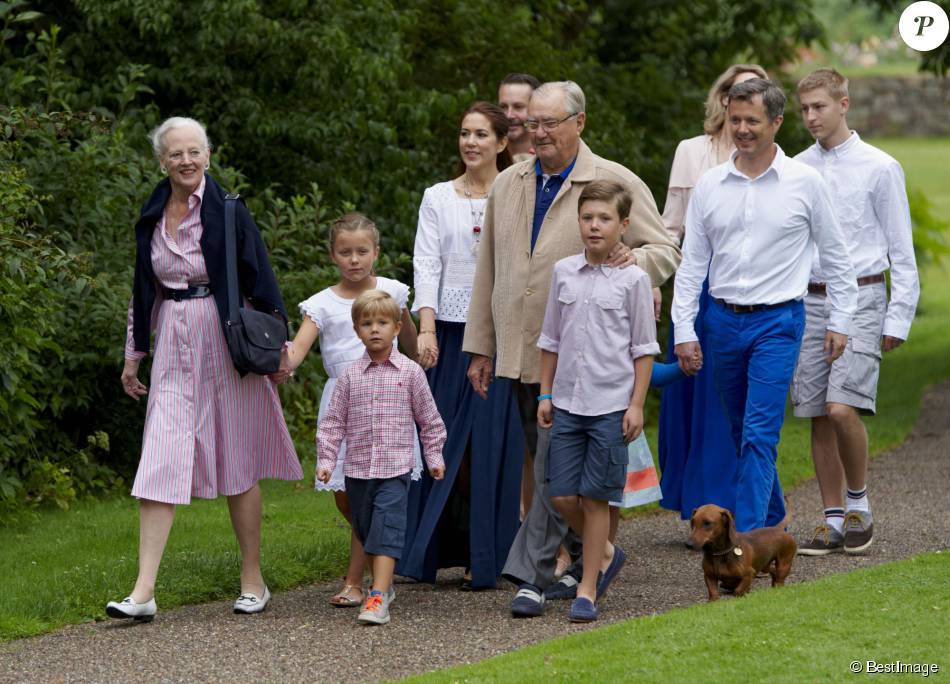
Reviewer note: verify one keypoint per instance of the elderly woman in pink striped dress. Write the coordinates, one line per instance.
(208, 431)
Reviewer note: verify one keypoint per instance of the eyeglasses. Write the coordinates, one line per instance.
(549, 125)
(193, 155)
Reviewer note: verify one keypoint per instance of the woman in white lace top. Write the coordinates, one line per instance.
(484, 449)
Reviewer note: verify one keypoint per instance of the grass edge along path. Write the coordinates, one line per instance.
(805, 632)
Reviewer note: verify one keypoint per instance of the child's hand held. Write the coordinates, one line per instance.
(545, 413)
(437, 473)
(323, 475)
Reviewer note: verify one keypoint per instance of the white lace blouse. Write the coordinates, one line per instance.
(444, 255)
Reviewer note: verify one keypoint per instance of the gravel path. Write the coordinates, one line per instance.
(300, 638)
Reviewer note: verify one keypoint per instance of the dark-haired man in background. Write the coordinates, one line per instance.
(514, 92)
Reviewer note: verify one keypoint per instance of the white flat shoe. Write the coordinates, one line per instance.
(127, 608)
(252, 603)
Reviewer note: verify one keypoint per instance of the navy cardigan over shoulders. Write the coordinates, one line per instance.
(255, 276)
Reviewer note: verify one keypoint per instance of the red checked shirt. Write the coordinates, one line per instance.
(376, 406)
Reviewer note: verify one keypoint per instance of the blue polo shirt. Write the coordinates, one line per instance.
(544, 194)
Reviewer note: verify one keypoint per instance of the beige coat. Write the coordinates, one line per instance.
(511, 284)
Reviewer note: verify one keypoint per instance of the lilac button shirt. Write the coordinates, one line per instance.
(598, 320)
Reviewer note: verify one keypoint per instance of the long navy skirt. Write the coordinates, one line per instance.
(457, 526)
(697, 455)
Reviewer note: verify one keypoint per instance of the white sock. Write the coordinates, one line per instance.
(834, 518)
(858, 501)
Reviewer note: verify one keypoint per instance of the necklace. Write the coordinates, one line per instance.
(477, 215)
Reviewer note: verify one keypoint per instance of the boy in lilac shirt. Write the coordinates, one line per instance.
(596, 343)
(375, 406)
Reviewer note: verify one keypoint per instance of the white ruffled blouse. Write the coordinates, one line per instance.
(444, 255)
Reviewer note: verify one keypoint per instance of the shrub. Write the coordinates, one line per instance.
(38, 283)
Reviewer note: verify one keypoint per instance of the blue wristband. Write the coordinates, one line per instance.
(542, 397)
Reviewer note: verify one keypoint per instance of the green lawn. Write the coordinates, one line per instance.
(926, 163)
(65, 565)
(61, 567)
(803, 633)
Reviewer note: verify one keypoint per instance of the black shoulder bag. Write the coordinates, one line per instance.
(255, 338)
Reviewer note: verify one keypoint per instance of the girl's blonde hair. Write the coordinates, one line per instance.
(350, 223)
(715, 111)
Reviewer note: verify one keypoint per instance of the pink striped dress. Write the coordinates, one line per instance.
(208, 432)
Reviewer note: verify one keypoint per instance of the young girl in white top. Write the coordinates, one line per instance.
(354, 248)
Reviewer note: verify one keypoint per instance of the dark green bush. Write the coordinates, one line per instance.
(39, 285)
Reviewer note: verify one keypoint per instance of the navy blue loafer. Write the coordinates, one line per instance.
(582, 610)
(528, 602)
(608, 576)
(565, 588)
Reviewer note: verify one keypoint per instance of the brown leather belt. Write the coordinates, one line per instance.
(820, 288)
(750, 308)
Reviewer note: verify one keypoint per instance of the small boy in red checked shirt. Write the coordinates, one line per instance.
(376, 405)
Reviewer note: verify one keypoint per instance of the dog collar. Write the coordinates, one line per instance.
(735, 549)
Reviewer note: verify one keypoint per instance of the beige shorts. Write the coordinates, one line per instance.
(852, 378)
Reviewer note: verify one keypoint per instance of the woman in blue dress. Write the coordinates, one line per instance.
(469, 518)
(697, 455)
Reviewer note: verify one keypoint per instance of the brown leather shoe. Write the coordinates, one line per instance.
(858, 531)
(824, 540)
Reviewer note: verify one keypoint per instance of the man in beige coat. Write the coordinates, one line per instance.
(530, 224)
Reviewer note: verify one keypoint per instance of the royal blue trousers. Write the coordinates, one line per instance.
(754, 356)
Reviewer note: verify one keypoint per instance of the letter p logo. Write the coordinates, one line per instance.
(923, 26)
(924, 23)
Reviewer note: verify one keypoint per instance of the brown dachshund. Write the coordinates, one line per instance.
(732, 558)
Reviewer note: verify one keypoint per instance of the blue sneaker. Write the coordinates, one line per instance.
(608, 576)
(582, 610)
(566, 587)
(528, 602)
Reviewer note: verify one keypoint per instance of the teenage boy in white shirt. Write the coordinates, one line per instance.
(870, 203)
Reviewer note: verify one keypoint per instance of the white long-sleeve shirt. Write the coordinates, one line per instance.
(443, 259)
(756, 237)
(870, 203)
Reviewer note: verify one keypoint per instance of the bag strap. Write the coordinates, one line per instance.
(230, 245)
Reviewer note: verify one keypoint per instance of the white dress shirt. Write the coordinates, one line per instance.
(756, 237)
(443, 259)
(870, 202)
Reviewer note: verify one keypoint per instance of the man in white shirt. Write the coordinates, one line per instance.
(753, 224)
(870, 202)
